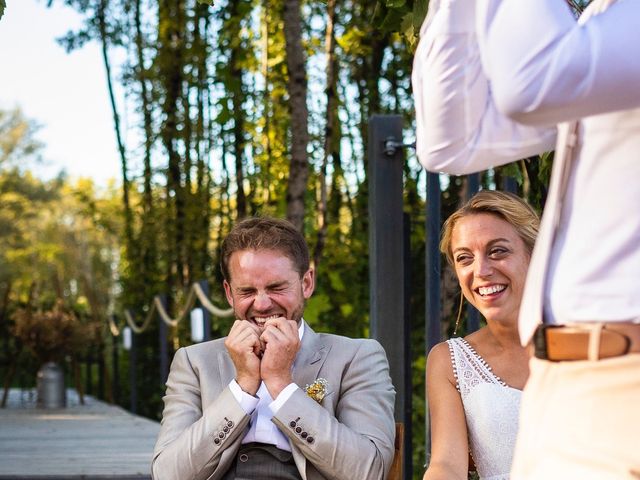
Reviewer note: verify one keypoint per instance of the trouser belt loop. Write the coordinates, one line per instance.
(595, 336)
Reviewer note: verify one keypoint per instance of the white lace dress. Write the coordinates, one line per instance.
(491, 408)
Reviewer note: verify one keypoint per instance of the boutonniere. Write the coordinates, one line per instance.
(318, 389)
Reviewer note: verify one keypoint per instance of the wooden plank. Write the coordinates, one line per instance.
(95, 440)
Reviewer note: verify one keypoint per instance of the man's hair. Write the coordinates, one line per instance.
(506, 206)
(265, 233)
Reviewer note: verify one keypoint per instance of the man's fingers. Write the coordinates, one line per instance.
(243, 335)
(288, 327)
(242, 325)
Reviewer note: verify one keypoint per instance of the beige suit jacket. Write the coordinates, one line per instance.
(349, 435)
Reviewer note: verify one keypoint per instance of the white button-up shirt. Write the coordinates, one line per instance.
(262, 408)
(492, 80)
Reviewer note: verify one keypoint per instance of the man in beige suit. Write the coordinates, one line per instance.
(274, 399)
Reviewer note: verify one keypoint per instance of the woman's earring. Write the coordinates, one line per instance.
(455, 330)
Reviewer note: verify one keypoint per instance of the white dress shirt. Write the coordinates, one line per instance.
(492, 80)
(262, 408)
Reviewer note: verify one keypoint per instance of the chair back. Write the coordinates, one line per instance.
(397, 465)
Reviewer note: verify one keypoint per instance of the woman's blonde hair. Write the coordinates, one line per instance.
(507, 206)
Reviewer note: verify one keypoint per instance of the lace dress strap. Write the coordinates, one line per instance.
(490, 408)
(469, 368)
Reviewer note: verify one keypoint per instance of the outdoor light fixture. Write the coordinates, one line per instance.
(127, 338)
(197, 325)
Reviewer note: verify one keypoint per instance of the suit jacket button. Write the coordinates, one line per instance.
(230, 424)
(221, 435)
(216, 441)
(292, 424)
(225, 429)
(310, 439)
(298, 429)
(304, 434)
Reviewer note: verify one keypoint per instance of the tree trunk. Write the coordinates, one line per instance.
(329, 133)
(171, 65)
(128, 215)
(148, 234)
(299, 166)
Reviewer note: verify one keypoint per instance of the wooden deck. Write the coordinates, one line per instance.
(91, 441)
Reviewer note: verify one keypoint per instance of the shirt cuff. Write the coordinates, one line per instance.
(285, 394)
(246, 401)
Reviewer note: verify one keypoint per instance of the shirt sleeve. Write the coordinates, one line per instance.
(285, 394)
(246, 401)
(557, 69)
(459, 127)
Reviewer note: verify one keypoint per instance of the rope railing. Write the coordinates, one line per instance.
(196, 293)
(206, 303)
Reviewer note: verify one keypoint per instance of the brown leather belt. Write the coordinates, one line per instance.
(588, 341)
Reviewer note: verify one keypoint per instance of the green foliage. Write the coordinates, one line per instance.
(2, 7)
(317, 305)
(18, 141)
(58, 253)
(403, 17)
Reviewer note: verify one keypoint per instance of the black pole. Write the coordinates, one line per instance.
(473, 317)
(432, 280)
(433, 268)
(101, 372)
(206, 316)
(133, 360)
(162, 338)
(510, 185)
(115, 385)
(88, 369)
(386, 253)
(408, 384)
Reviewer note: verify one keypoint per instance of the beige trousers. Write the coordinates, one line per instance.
(580, 420)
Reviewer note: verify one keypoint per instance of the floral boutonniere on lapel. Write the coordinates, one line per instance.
(318, 389)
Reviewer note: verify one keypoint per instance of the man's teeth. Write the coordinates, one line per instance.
(491, 289)
(263, 320)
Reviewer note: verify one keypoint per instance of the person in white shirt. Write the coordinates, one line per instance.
(499, 80)
(274, 399)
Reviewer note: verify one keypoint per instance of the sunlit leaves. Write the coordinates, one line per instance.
(18, 142)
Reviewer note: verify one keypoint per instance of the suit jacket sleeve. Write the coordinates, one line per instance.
(193, 439)
(357, 439)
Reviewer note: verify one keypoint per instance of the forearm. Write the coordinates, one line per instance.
(555, 69)
(459, 128)
(444, 471)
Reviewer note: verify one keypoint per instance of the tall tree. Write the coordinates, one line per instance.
(296, 67)
(330, 132)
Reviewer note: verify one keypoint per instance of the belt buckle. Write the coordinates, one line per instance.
(540, 342)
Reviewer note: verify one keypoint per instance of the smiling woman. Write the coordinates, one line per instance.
(474, 383)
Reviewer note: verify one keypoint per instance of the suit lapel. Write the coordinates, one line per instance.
(310, 359)
(306, 367)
